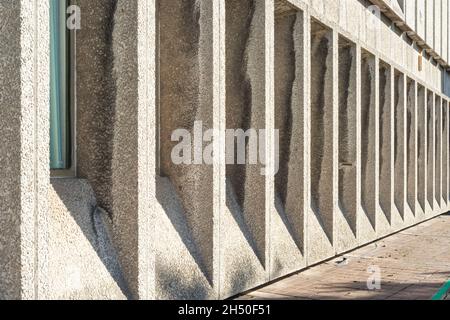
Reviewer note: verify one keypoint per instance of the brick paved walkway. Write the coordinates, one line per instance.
(413, 264)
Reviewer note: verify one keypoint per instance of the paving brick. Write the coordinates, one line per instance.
(409, 270)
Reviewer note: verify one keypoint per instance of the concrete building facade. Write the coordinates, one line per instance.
(358, 91)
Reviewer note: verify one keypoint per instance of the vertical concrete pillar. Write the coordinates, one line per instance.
(411, 136)
(386, 170)
(320, 221)
(437, 26)
(448, 153)
(380, 223)
(346, 217)
(190, 193)
(335, 136)
(420, 18)
(219, 123)
(133, 148)
(429, 33)
(249, 107)
(438, 150)
(421, 148)
(445, 31)
(24, 154)
(116, 126)
(288, 223)
(445, 152)
(369, 142)
(362, 222)
(430, 151)
(410, 14)
(400, 145)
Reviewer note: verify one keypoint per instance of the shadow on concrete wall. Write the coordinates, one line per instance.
(79, 201)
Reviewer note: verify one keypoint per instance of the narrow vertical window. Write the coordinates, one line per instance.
(60, 123)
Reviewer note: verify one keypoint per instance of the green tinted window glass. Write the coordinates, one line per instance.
(60, 146)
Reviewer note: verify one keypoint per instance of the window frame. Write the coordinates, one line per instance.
(70, 172)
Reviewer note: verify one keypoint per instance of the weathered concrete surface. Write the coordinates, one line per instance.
(346, 219)
(83, 262)
(186, 93)
(348, 137)
(24, 145)
(245, 213)
(411, 144)
(386, 138)
(400, 143)
(179, 273)
(95, 96)
(368, 138)
(116, 123)
(430, 149)
(421, 148)
(321, 174)
(287, 251)
(133, 148)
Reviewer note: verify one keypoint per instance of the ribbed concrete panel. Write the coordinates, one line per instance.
(438, 150)
(448, 148)
(386, 148)
(421, 148)
(448, 152)
(115, 122)
(429, 32)
(411, 137)
(370, 149)
(420, 17)
(430, 152)
(346, 217)
(132, 170)
(445, 29)
(445, 153)
(320, 223)
(360, 150)
(24, 144)
(288, 221)
(410, 13)
(368, 137)
(399, 143)
(248, 106)
(186, 204)
(448, 36)
(438, 26)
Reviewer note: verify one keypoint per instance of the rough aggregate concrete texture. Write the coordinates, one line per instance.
(430, 149)
(321, 216)
(421, 148)
(347, 132)
(288, 219)
(399, 143)
(186, 81)
(437, 149)
(245, 108)
(95, 94)
(347, 138)
(386, 147)
(368, 144)
(83, 262)
(289, 106)
(115, 105)
(445, 153)
(411, 138)
(245, 213)
(267, 227)
(24, 171)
